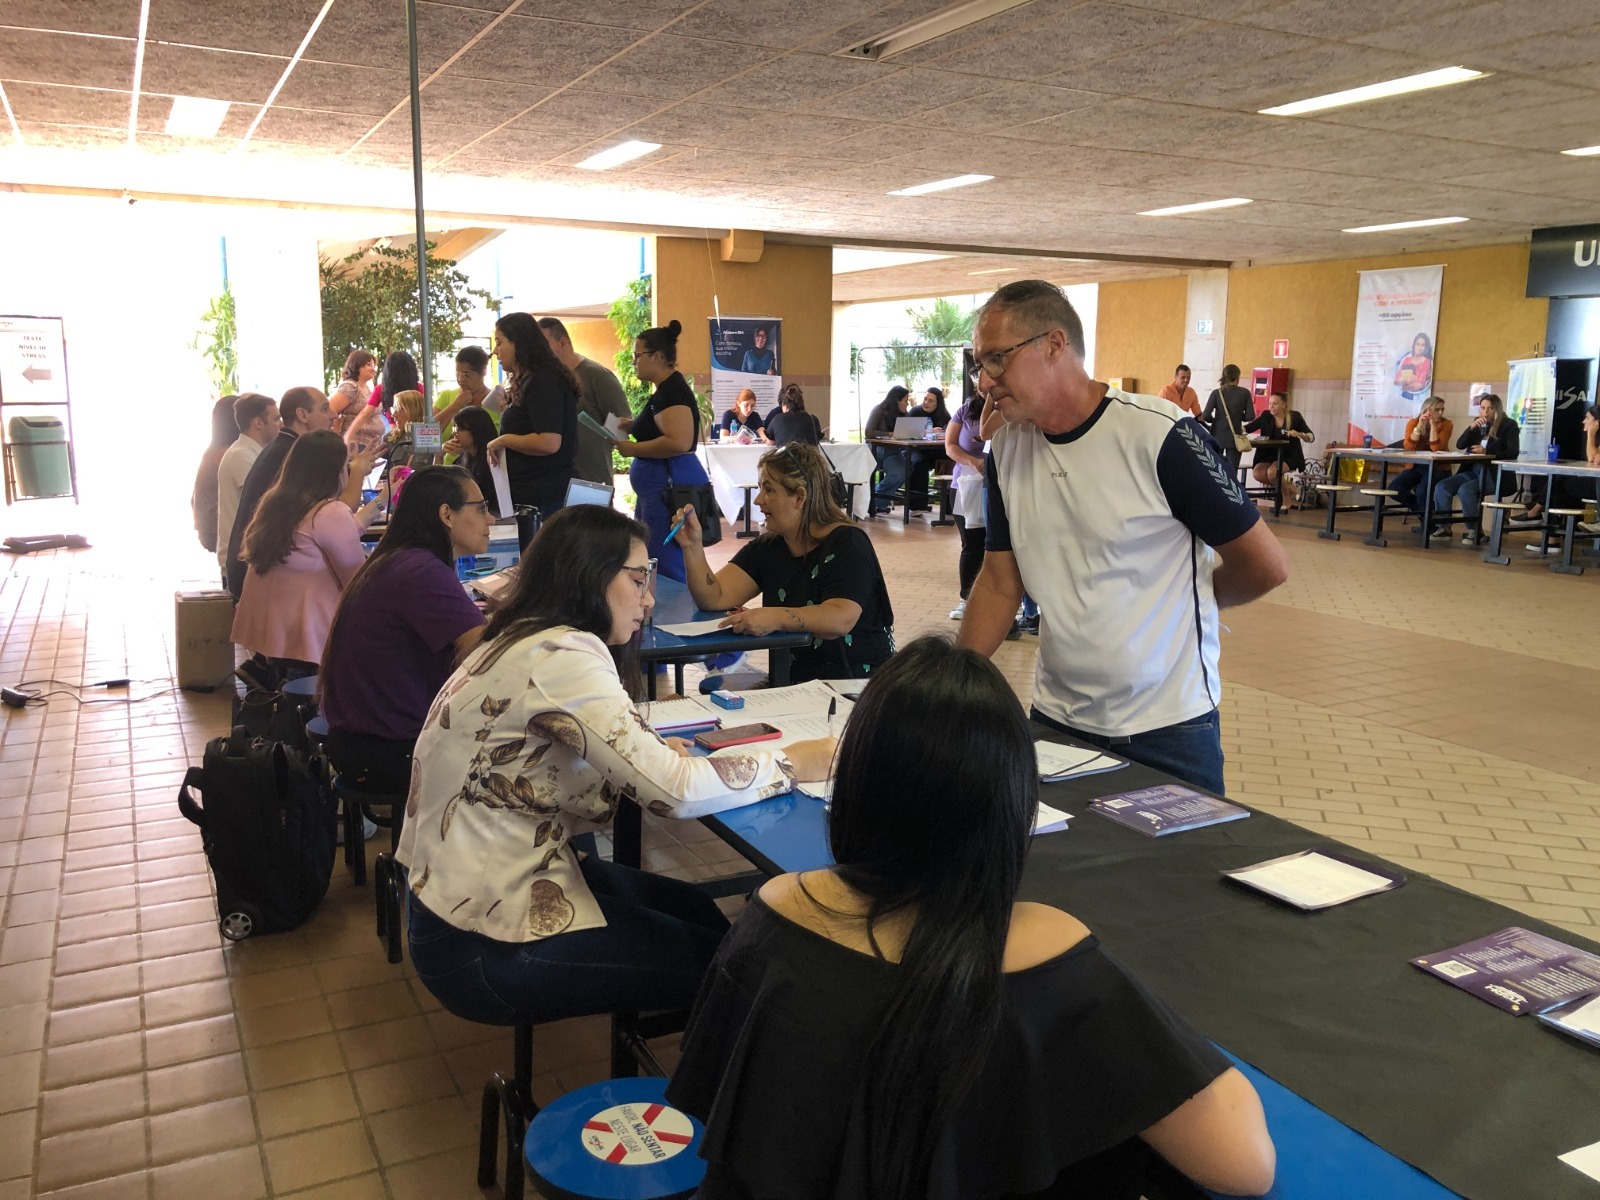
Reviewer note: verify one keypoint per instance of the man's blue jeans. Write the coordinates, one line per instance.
(659, 938)
(1190, 750)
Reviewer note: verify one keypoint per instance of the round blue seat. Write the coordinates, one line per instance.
(306, 687)
(617, 1140)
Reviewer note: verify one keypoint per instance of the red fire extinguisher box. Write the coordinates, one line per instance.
(1264, 381)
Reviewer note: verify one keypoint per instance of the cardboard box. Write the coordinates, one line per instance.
(205, 645)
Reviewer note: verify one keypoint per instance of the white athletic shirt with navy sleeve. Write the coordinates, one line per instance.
(1112, 526)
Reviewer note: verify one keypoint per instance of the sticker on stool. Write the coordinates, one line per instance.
(633, 1135)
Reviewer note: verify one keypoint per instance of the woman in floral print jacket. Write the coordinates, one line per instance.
(533, 740)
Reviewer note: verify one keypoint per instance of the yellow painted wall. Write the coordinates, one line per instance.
(1484, 319)
(596, 339)
(1139, 331)
(791, 282)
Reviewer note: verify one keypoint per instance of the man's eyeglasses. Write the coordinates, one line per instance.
(643, 576)
(993, 364)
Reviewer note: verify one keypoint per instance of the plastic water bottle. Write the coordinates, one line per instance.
(1552, 453)
(464, 566)
(1367, 441)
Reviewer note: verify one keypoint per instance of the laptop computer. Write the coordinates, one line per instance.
(909, 429)
(582, 491)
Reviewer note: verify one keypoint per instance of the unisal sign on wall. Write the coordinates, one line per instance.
(1565, 261)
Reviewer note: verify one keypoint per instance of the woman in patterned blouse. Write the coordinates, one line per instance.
(533, 740)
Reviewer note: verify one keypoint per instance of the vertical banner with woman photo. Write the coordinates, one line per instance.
(746, 353)
(1391, 369)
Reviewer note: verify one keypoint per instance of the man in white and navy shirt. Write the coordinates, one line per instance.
(1112, 510)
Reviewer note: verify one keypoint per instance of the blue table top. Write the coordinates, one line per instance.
(674, 605)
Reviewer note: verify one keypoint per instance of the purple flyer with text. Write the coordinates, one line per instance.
(1517, 970)
(1156, 811)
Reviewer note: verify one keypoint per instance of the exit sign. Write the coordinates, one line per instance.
(1203, 327)
(1280, 348)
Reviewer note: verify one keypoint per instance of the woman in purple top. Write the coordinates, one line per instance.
(963, 445)
(402, 625)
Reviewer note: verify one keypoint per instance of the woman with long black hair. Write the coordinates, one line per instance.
(535, 739)
(942, 1040)
(539, 428)
(470, 443)
(891, 463)
(303, 546)
(401, 627)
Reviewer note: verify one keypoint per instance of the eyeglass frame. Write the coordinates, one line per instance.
(979, 364)
(481, 505)
(644, 583)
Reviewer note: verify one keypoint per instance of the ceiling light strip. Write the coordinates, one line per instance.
(5, 103)
(930, 28)
(623, 152)
(1201, 206)
(1583, 151)
(942, 185)
(1376, 91)
(1406, 225)
(138, 73)
(294, 61)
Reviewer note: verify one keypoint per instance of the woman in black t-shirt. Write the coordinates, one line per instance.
(743, 416)
(793, 423)
(812, 568)
(1279, 422)
(662, 441)
(539, 428)
(937, 1037)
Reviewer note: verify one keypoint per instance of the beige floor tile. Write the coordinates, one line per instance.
(84, 1062)
(357, 1187)
(95, 1021)
(398, 1084)
(91, 1105)
(449, 1176)
(90, 1154)
(302, 1106)
(191, 1040)
(17, 1144)
(293, 1062)
(194, 1132)
(231, 1175)
(319, 1156)
(402, 1134)
(191, 1084)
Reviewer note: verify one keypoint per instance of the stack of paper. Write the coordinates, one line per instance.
(1058, 762)
(809, 699)
(1050, 820)
(1315, 879)
(670, 716)
(1517, 970)
(1169, 808)
(1580, 1018)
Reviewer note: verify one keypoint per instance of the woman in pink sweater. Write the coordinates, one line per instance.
(303, 547)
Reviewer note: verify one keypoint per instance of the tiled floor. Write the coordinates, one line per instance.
(1428, 707)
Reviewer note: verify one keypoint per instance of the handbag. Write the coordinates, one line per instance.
(1240, 442)
(705, 505)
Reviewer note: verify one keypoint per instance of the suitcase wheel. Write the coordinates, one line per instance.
(239, 924)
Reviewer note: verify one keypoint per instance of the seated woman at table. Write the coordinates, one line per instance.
(940, 1037)
(403, 624)
(792, 423)
(303, 547)
(1567, 491)
(934, 409)
(1495, 436)
(814, 570)
(535, 739)
(923, 462)
(1429, 430)
(469, 443)
(661, 440)
(1279, 422)
(891, 462)
(743, 417)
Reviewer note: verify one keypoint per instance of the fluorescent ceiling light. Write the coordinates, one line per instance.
(617, 155)
(1583, 151)
(1203, 206)
(1407, 225)
(994, 271)
(193, 117)
(847, 259)
(939, 185)
(1376, 91)
(926, 29)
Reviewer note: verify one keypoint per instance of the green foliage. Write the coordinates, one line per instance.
(947, 326)
(905, 364)
(630, 316)
(216, 339)
(378, 308)
(855, 360)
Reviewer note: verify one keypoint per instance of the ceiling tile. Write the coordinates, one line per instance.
(72, 137)
(521, 145)
(540, 53)
(225, 74)
(590, 113)
(641, 15)
(337, 87)
(1546, 52)
(1280, 79)
(457, 100)
(374, 32)
(1173, 69)
(694, 124)
(704, 163)
(792, 82)
(902, 93)
(1216, 10)
(790, 134)
(1006, 105)
(259, 26)
(37, 102)
(1547, 127)
(966, 37)
(65, 59)
(437, 138)
(669, 68)
(1480, 27)
(114, 18)
(773, 24)
(1080, 35)
(1428, 112)
(1342, 21)
(332, 131)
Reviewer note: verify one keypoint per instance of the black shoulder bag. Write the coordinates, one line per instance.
(704, 501)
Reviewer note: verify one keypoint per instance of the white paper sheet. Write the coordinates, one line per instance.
(1312, 880)
(1585, 1159)
(614, 426)
(810, 699)
(1050, 820)
(502, 486)
(1057, 762)
(694, 628)
(848, 687)
(664, 716)
(1585, 1018)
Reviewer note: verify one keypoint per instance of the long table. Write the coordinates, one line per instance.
(907, 450)
(1326, 1004)
(1429, 459)
(674, 606)
(1549, 470)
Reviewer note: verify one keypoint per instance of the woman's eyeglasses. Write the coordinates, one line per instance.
(643, 576)
(481, 505)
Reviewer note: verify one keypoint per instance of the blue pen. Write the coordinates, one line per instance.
(673, 532)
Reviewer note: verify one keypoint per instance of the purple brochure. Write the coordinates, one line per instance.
(1517, 970)
(1170, 808)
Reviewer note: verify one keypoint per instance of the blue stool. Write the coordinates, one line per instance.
(356, 804)
(617, 1140)
(305, 688)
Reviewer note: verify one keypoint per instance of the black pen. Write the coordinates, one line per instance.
(833, 707)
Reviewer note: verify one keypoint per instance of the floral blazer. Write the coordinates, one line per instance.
(527, 744)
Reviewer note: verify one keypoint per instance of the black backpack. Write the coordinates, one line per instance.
(269, 821)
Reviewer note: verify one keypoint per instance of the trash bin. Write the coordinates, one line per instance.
(39, 452)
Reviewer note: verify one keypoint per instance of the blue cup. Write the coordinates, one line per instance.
(1553, 453)
(465, 565)
(1367, 441)
(368, 495)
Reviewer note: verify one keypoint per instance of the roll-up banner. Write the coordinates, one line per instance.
(746, 352)
(1391, 369)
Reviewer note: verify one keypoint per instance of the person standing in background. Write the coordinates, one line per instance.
(203, 497)
(600, 395)
(1226, 412)
(302, 410)
(471, 390)
(350, 397)
(539, 429)
(399, 375)
(257, 418)
(964, 446)
(1180, 393)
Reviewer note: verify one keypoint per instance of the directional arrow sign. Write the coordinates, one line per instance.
(34, 374)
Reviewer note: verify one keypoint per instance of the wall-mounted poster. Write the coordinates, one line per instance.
(746, 352)
(1391, 369)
